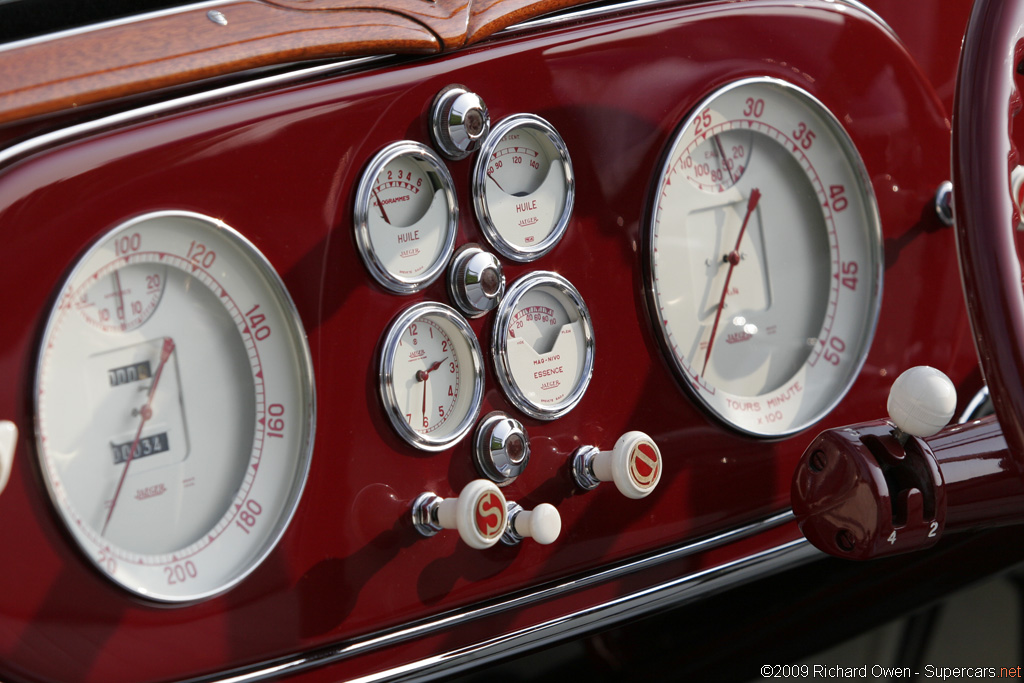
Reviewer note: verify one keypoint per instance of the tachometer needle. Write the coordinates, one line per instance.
(146, 412)
(733, 257)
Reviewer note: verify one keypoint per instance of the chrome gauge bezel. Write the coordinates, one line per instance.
(499, 345)
(474, 382)
(423, 155)
(821, 401)
(483, 211)
(135, 570)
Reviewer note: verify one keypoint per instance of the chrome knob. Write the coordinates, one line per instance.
(459, 122)
(476, 281)
(501, 448)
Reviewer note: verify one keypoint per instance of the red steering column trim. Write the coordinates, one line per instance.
(986, 102)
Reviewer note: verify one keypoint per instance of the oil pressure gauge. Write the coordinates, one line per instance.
(405, 217)
(523, 187)
(764, 257)
(431, 376)
(543, 345)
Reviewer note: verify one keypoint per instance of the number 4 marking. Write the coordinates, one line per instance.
(892, 537)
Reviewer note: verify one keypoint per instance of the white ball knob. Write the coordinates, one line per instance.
(543, 523)
(634, 464)
(478, 513)
(922, 401)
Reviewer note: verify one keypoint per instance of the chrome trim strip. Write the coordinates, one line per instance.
(978, 407)
(40, 142)
(591, 11)
(111, 23)
(674, 592)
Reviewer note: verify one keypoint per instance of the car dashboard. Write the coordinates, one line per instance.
(278, 354)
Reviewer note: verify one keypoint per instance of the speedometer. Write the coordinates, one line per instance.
(174, 406)
(764, 255)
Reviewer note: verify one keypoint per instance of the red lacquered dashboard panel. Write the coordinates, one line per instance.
(281, 167)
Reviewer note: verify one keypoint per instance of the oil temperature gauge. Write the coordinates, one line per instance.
(405, 217)
(523, 187)
(543, 345)
(431, 376)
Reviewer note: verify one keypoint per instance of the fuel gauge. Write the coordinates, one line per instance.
(543, 345)
(523, 187)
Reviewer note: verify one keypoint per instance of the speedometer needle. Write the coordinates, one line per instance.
(733, 257)
(146, 412)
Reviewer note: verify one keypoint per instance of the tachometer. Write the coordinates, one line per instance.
(174, 439)
(764, 255)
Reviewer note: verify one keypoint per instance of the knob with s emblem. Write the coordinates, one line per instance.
(479, 514)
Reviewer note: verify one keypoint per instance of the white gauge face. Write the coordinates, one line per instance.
(174, 439)
(431, 376)
(765, 257)
(406, 217)
(543, 345)
(523, 187)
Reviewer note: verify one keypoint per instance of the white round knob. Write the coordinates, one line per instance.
(922, 401)
(478, 513)
(543, 523)
(634, 464)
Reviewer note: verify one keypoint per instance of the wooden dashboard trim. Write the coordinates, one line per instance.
(173, 48)
(122, 59)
